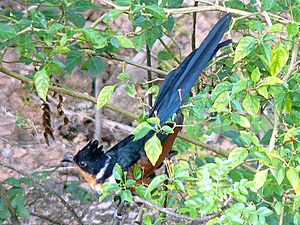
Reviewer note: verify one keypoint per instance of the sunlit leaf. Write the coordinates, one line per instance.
(279, 57)
(153, 149)
(42, 83)
(245, 46)
(141, 130)
(105, 95)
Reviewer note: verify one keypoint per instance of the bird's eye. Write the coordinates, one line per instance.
(82, 164)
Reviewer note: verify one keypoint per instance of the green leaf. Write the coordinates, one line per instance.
(139, 41)
(126, 196)
(123, 77)
(259, 179)
(278, 208)
(129, 183)
(157, 11)
(95, 37)
(137, 172)
(167, 129)
(264, 211)
(95, 66)
(73, 59)
(105, 95)
(22, 211)
(117, 172)
(155, 183)
(141, 130)
(293, 177)
(153, 149)
(130, 90)
(62, 50)
(84, 5)
(219, 89)
(292, 29)
(76, 18)
(291, 133)
(125, 42)
(267, 4)
(112, 14)
(12, 181)
(277, 28)
(263, 91)
(221, 103)
(245, 46)
(164, 55)
(6, 32)
(239, 86)
(268, 81)
(237, 156)
(240, 120)
(255, 75)
(279, 57)
(4, 214)
(179, 185)
(122, 2)
(41, 83)
(251, 104)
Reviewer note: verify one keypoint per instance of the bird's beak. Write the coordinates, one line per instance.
(68, 159)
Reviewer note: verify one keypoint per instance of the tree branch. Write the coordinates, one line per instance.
(293, 60)
(173, 215)
(70, 92)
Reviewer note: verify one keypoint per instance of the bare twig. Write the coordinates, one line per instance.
(293, 60)
(122, 59)
(47, 218)
(7, 203)
(275, 130)
(140, 215)
(282, 210)
(173, 215)
(149, 75)
(194, 27)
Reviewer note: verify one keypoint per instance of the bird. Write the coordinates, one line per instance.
(96, 165)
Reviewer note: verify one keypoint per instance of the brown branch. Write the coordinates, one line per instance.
(47, 218)
(173, 215)
(128, 61)
(87, 97)
(149, 75)
(186, 10)
(50, 191)
(293, 62)
(7, 203)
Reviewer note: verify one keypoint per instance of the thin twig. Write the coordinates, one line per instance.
(275, 130)
(47, 218)
(282, 210)
(173, 215)
(187, 10)
(128, 61)
(7, 203)
(194, 27)
(293, 60)
(149, 75)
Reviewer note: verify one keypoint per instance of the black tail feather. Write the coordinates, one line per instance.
(178, 83)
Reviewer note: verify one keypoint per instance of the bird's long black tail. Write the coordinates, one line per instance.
(178, 83)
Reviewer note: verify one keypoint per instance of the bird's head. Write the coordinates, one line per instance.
(93, 164)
